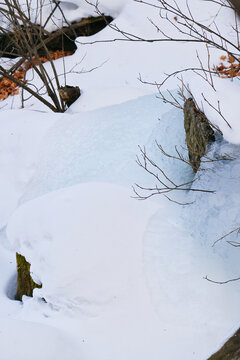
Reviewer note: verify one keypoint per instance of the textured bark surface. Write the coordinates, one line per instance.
(198, 133)
(236, 5)
(25, 283)
(230, 350)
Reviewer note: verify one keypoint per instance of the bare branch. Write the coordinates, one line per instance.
(164, 184)
(226, 235)
(221, 282)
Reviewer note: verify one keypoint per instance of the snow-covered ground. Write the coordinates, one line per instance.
(123, 279)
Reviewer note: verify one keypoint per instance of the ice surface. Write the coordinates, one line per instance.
(101, 144)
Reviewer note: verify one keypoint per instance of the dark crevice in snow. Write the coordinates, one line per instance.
(62, 39)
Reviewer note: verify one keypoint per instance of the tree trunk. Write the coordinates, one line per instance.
(25, 283)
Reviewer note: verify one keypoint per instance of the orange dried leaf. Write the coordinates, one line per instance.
(230, 59)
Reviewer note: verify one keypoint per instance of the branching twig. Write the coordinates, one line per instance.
(164, 184)
(226, 235)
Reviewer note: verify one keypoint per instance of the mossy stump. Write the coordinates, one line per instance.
(230, 350)
(198, 133)
(25, 283)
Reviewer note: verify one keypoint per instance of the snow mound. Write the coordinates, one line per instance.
(20, 138)
(36, 341)
(83, 255)
(102, 145)
(74, 10)
(220, 104)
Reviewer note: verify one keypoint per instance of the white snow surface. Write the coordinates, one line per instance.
(93, 217)
(73, 11)
(21, 135)
(121, 278)
(124, 261)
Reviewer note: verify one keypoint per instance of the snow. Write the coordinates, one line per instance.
(20, 139)
(25, 341)
(117, 258)
(73, 11)
(106, 279)
(122, 278)
(109, 154)
(226, 93)
(93, 276)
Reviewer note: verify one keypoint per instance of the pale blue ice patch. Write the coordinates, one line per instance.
(102, 145)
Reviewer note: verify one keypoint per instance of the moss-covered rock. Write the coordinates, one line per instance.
(230, 350)
(69, 94)
(198, 133)
(25, 283)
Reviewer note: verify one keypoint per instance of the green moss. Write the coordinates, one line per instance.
(198, 133)
(25, 283)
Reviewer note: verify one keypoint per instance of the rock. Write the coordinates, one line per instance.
(230, 350)
(25, 283)
(69, 94)
(198, 133)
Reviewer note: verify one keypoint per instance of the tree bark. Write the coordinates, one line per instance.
(236, 5)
